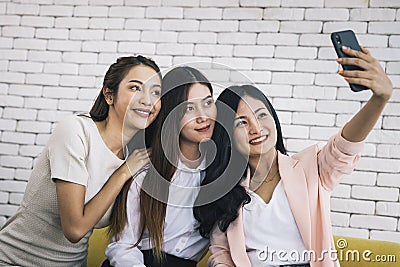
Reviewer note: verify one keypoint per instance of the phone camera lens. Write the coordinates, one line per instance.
(337, 37)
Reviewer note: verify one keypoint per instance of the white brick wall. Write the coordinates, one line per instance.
(54, 53)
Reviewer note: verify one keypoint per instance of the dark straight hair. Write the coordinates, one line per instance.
(165, 148)
(113, 77)
(225, 210)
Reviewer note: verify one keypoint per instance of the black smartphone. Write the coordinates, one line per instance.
(349, 39)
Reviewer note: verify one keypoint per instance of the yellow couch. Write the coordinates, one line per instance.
(352, 252)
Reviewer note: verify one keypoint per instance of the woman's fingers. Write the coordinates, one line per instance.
(139, 152)
(356, 74)
(361, 81)
(137, 161)
(362, 59)
(365, 51)
(358, 54)
(372, 76)
(356, 62)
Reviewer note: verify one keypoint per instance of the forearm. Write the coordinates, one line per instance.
(358, 128)
(101, 202)
(374, 77)
(78, 219)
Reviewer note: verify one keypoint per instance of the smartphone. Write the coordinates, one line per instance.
(347, 38)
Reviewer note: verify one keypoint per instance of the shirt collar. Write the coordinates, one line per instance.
(183, 167)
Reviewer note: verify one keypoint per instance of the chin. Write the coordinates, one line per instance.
(206, 139)
(138, 126)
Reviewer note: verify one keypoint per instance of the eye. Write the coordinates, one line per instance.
(240, 123)
(209, 103)
(156, 92)
(262, 115)
(189, 108)
(136, 88)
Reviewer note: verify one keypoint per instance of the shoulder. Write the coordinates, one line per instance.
(71, 131)
(73, 125)
(73, 122)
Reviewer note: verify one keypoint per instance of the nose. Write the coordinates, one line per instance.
(201, 115)
(254, 127)
(145, 98)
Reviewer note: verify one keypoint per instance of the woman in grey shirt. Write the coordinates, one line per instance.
(82, 169)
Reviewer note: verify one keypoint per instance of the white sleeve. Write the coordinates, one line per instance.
(121, 253)
(67, 150)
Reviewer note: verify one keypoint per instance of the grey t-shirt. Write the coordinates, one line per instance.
(33, 236)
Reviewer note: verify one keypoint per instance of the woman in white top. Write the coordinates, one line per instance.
(153, 223)
(280, 215)
(82, 169)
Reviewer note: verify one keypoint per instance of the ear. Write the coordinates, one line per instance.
(108, 96)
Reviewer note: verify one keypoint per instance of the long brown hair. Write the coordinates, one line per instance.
(115, 74)
(113, 77)
(165, 150)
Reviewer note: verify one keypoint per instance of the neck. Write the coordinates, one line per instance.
(113, 134)
(190, 154)
(264, 166)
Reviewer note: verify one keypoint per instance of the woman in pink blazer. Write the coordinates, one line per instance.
(274, 209)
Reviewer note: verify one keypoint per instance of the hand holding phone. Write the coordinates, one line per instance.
(360, 69)
(347, 38)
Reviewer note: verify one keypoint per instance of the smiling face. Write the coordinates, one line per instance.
(254, 130)
(137, 101)
(197, 123)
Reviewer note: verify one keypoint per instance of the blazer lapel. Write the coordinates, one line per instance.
(295, 186)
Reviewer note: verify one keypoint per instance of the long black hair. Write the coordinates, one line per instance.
(154, 191)
(228, 163)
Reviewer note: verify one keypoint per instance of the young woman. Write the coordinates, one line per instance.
(82, 169)
(281, 211)
(153, 223)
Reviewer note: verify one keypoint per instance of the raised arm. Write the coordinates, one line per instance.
(373, 77)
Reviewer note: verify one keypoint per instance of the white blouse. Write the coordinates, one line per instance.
(181, 237)
(271, 234)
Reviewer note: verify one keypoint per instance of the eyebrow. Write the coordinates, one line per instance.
(207, 97)
(244, 117)
(135, 81)
(257, 110)
(141, 83)
(240, 117)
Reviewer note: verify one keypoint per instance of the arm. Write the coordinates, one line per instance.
(67, 151)
(219, 249)
(374, 78)
(77, 219)
(121, 252)
(340, 154)
(336, 158)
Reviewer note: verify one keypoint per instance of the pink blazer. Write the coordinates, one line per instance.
(308, 178)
